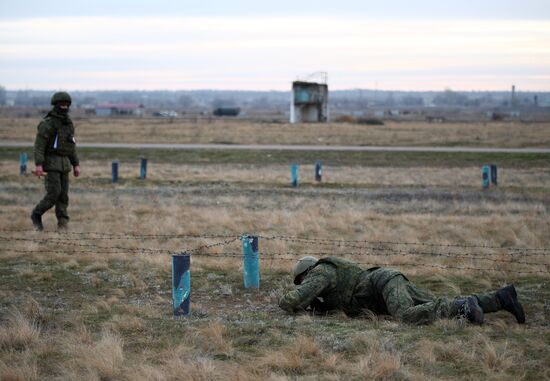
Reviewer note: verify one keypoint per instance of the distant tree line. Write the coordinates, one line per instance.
(3, 95)
(357, 99)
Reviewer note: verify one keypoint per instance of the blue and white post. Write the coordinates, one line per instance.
(494, 174)
(485, 176)
(318, 171)
(294, 175)
(23, 163)
(143, 168)
(181, 284)
(114, 171)
(251, 262)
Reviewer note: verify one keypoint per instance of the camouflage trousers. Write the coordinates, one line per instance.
(417, 306)
(57, 194)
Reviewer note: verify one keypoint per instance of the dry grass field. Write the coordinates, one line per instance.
(223, 131)
(94, 303)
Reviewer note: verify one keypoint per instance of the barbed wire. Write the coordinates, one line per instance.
(121, 236)
(351, 243)
(446, 255)
(267, 255)
(386, 250)
(59, 241)
(324, 241)
(203, 247)
(372, 251)
(379, 264)
(58, 251)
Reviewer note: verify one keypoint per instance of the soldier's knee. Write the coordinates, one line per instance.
(54, 194)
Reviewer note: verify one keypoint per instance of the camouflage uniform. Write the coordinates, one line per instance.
(55, 150)
(345, 286)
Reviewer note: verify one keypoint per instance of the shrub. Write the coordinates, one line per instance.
(345, 119)
(371, 121)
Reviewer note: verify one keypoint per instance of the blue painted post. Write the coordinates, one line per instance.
(485, 176)
(181, 284)
(251, 262)
(294, 175)
(143, 168)
(494, 174)
(23, 163)
(318, 171)
(114, 170)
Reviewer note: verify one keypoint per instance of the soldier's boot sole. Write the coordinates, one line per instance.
(62, 225)
(508, 299)
(37, 221)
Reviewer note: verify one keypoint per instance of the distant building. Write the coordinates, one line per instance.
(165, 114)
(118, 109)
(309, 102)
(226, 111)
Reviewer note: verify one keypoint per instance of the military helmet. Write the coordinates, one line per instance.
(61, 96)
(303, 265)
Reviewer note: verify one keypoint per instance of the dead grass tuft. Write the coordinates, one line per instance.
(146, 373)
(306, 346)
(102, 359)
(213, 339)
(125, 324)
(27, 371)
(302, 354)
(378, 365)
(71, 264)
(101, 305)
(425, 352)
(96, 266)
(32, 310)
(19, 333)
(496, 357)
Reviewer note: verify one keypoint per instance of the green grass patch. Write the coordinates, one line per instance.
(332, 158)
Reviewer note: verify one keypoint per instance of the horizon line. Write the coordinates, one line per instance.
(509, 89)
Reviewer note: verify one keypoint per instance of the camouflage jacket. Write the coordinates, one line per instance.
(335, 283)
(54, 146)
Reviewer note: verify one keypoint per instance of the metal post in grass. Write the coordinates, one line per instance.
(318, 171)
(114, 171)
(485, 175)
(143, 168)
(494, 174)
(294, 175)
(251, 262)
(181, 284)
(23, 163)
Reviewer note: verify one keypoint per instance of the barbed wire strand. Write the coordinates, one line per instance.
(290, 256)
(386, 250)
(332, 242)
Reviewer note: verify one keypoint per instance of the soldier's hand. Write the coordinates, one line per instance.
(39, 171)
(76, 171)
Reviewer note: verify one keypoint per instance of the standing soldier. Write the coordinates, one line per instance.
(54, 154)
(337, 284)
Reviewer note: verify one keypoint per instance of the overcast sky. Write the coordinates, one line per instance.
(247, 45)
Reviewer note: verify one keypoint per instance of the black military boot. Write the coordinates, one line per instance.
(469, 308)
(508, 299)
(37, 221)
(62, 224)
